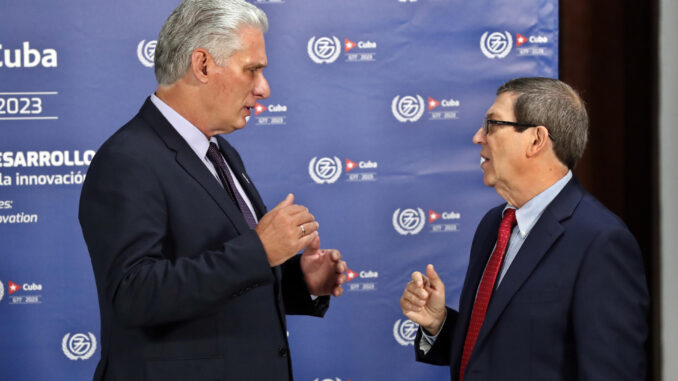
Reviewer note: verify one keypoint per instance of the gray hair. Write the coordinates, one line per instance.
(209, 24)
(557, 106)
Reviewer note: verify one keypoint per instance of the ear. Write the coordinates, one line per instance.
(200, 62)
(539, 139)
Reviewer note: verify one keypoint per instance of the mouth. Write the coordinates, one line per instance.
(248, 112)
(483, 160)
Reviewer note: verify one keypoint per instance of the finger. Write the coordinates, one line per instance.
(418, 279)
(341, 267)
(415, 302)
(315, 244)
(413, 287)
(416, 297)
(420, 296)
(289, 200)
(407, 306)
(341, 279)
(417, 292)
(337, 291)
(302, 217)
(309, 228)
(433, 276)
(335, 255)
(293, 209)
(307, 239)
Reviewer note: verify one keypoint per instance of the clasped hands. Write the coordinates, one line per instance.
(289, 228)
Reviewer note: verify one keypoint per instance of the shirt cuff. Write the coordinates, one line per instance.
(426, 344)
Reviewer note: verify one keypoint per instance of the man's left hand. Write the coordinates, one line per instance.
(323, 270)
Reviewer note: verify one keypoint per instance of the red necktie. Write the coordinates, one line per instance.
(486, 287)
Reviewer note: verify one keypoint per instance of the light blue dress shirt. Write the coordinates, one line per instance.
(526, 217)
(199, 144)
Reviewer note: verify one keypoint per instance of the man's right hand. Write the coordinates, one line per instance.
(423, 300)
(280, 230)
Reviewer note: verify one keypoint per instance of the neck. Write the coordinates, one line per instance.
(531, 183)
(185, 100)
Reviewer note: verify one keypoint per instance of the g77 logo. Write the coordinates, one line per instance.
(326, 170)
(324, 49)
(409, 221)
(79, 346)
(146, 52)
(407, 108)
(404, 331)
(497, 45)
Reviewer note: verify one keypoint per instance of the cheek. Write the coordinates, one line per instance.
(500, 160)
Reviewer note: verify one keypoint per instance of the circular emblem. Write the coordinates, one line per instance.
(324, 49)
(79, 346)
(408, 108)
(409, 221)
(325, 170)
(404, 331)
(146, 52)
(496, 44)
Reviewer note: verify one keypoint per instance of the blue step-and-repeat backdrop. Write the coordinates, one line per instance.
(369, 124)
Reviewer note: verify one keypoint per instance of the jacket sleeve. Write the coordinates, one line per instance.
(441, 350)
(610, 306)
(296, 298)
(124, 218)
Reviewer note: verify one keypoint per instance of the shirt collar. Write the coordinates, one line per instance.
(191, 134)
(528, 215)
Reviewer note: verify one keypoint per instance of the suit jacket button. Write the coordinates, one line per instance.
(283, 352)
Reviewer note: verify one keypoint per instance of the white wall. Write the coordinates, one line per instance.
(668, 171)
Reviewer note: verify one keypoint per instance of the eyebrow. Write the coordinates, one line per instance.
(257, 66)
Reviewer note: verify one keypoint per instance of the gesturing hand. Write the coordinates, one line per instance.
(281, 232)
(323, 270)
(423, 300)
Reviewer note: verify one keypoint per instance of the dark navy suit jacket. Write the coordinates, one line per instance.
(185, 288)
(572, 306)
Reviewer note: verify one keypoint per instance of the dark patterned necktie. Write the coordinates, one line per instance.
(224, 174)
(486, 287)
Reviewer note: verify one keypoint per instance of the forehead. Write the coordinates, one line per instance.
(253, 51)
(502, 108)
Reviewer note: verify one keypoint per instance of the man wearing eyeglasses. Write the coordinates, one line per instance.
(555, 288)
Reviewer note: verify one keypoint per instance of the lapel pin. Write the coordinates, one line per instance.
(245, 177)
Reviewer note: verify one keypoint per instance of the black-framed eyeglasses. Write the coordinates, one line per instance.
(520, 127)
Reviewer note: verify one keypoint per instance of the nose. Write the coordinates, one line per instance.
(261, 88)
(479, 137)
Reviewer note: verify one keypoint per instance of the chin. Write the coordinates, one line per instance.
(489, 181)
(239, 125)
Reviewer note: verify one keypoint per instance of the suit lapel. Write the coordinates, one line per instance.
(187, 159)
(238, 169)
(543, 235)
